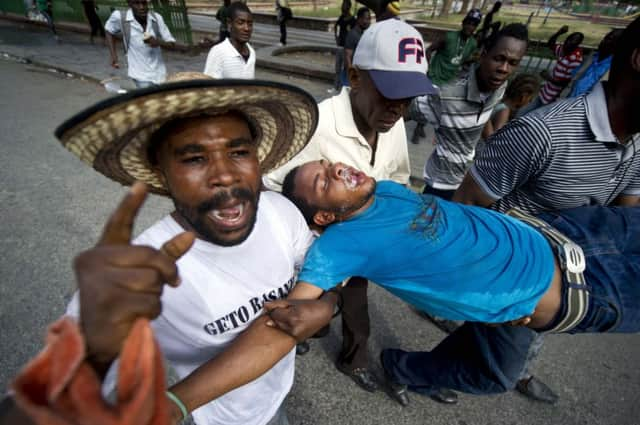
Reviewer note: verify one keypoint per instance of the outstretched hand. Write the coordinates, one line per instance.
(119, 282)
(299, 318)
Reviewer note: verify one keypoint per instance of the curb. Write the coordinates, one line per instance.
(69, 73)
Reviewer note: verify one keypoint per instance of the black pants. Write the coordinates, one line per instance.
(92, 17)
(355, 323)
(283, 32)
(447, 195)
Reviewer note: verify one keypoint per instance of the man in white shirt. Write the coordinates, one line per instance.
(143, 34)
(363, 127)
(234, 57)
(248, 244)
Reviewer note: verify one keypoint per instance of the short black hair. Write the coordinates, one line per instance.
(628, 41)
(360, 13)
(576, 34)
(521, 84)
(236, 7)
(515, 30)
(161, 134)
(288, 191)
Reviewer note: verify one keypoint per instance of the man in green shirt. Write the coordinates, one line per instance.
(451, 52)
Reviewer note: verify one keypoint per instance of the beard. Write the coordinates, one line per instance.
(196, 216)
(357, 204)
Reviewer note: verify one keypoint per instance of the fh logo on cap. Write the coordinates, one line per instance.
(410, 46)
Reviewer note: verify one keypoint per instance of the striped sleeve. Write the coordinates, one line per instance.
(426, 109)
(633, 188)
(513, 156)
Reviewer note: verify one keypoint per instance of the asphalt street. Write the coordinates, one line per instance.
(53, 206)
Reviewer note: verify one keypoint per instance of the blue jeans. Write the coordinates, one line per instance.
(480, 359)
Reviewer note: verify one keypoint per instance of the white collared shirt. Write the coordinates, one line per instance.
(145, 62)
(224, 61)
(337, 139)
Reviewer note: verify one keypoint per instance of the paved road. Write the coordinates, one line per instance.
(53, 206)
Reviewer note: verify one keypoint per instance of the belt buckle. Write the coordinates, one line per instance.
(572, 257)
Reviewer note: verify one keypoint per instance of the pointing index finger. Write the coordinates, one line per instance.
(119, 227)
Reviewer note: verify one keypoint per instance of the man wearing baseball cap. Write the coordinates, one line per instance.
(363, 127)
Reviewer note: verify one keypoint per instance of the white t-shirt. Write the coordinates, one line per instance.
(224, 61)
(222, 292)
(145, 62)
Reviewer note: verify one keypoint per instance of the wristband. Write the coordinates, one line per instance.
(178, 403)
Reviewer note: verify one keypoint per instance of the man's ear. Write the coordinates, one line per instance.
(324, 218)
(354, 77)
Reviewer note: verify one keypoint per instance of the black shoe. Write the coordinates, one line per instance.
(420, 130)
(398, 392)
(302, 348)
(360, 376)
(444, 325)
(535, 389)
(445, 396)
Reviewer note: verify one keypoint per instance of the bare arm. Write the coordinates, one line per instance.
(434, 47)
(627, 201)
(252, 353)
(500, 119)
(111, 43)
(470, 193)
(551, 43)
(348, 58)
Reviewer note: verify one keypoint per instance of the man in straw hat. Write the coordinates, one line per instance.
(225, 250)
(363, 127)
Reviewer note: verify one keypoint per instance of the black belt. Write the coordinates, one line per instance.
(572, 263)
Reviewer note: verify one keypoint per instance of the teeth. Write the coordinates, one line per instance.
(349, 179)
(229, 214)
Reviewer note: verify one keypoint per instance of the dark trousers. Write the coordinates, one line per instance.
(480, 359)
(355, 323)
(48, 15)
(447, 195)
(92, 17)
(283, 32)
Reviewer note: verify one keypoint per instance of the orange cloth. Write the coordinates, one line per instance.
(58, 387)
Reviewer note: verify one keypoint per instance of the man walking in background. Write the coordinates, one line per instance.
(143, 34)
(234, 57)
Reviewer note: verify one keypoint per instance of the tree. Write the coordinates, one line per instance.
(446, 6)
(465, 6)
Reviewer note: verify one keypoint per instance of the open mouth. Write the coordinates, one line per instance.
(230, 217)
(352, 178)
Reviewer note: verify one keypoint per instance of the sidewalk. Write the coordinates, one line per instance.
(75, 56)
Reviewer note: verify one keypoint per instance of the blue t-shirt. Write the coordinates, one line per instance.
(591, 76)
(455, 261)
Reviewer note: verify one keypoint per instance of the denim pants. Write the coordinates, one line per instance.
(481, 359)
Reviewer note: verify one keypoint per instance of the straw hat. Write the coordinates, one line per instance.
(113, 135)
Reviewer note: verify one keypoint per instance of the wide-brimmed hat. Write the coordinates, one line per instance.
(113, 135)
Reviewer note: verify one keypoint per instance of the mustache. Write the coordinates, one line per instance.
(221, 198)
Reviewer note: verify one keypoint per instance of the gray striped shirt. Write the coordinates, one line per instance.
(458, 115)
(564, 155)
